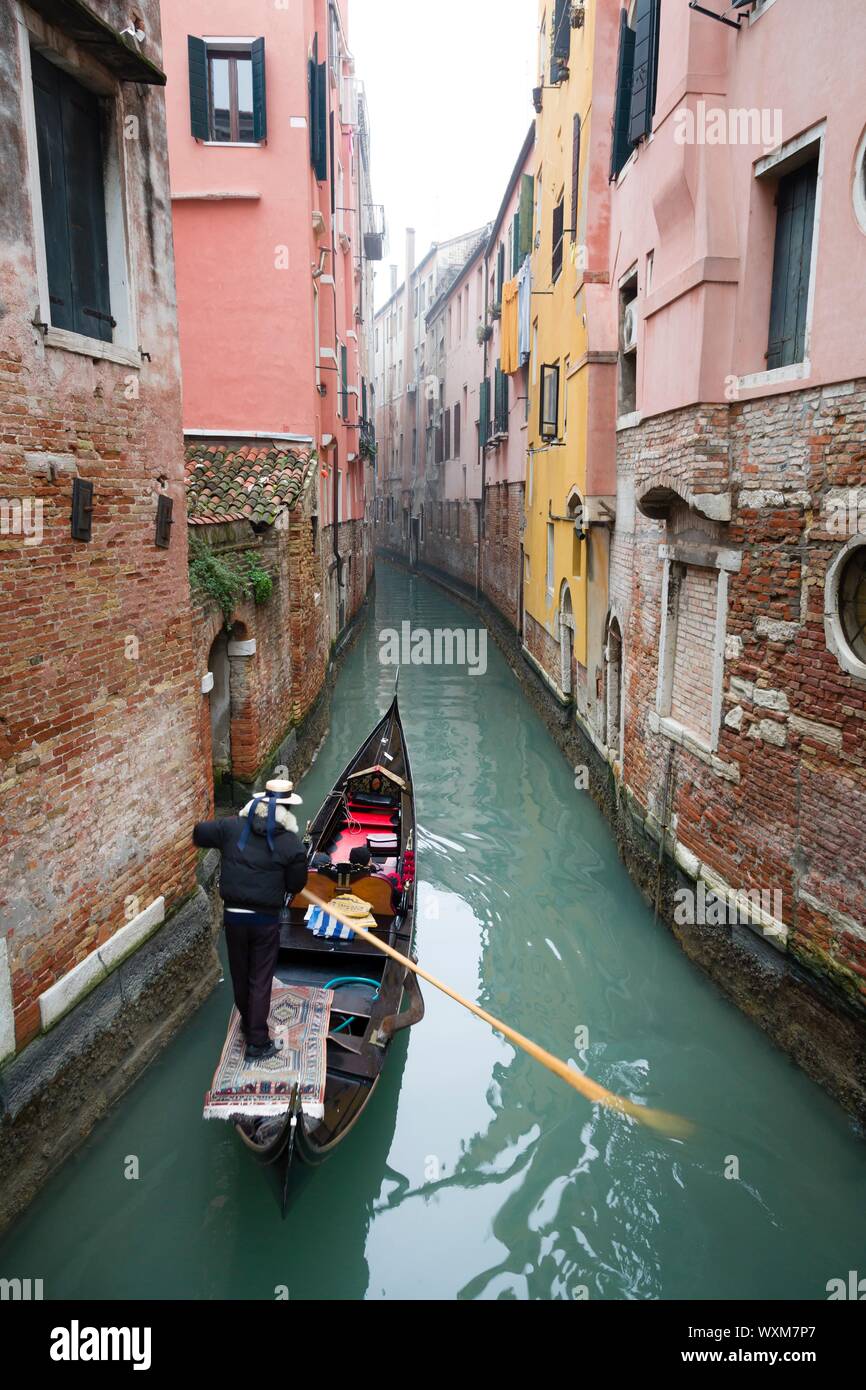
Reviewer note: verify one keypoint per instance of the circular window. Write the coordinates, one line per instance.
(860, 183)
(852, 602)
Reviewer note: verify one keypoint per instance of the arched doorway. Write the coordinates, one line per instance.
(613, 687)
(221, 715)
(566, 640)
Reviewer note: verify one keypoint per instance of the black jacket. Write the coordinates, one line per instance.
(254, 877)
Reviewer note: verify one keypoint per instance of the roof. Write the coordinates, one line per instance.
(451, 281)
(252, 483)
(522, 159)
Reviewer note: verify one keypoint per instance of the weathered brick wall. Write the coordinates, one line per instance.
(101, 764)
(784, 804)
(504, 507)
(452, 546)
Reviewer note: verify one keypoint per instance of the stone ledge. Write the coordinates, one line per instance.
(62, 996)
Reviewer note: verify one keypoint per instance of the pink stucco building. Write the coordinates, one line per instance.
(735, 654)
(275, 235)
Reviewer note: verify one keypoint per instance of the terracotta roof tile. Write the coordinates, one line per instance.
(253, 483)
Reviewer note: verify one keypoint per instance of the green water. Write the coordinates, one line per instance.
(474, 1173)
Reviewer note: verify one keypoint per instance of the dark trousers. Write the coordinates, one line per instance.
(253, 952)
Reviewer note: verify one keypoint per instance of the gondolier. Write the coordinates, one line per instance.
(263, 861)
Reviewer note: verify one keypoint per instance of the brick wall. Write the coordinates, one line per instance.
(784, 804)
(101, 762)
(504, 508)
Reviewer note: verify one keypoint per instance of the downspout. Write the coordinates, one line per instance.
(482, 511)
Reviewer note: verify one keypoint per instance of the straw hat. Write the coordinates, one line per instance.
(283, 793)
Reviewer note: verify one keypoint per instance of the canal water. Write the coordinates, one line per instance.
(474, 1173)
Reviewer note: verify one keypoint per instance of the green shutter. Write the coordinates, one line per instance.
(620, 144)
(260, 115)
(515, 243)
(500, 274)
(792, 264)
(199, 119)
(318, 85)
(344, 375)
(52, 177)
(646, 57)
(526, 214)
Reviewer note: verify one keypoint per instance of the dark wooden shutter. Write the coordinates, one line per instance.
(318, 84)
(199, 105)
(558, 236)
(575, 176)
(344, 382)
(457, 430)
(88, 239)
(484, 412)
(561, 41)
(52, 177)
(515, 243)
(448, 433)
(333, 165)
(646, 57)
(260, 109)
(792, 263)
(620, 144)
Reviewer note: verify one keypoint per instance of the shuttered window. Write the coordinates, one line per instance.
(620, 144)
(792, 263)
(69, 144)
(561, 41)
(575, 175)
(318, 88)
(500, 396)
(500, 274)
(516, 257)
(646, 60)
(484, 412)
(448, 433)
(227, 91)
(549, 421)
(457, 430)
(558, 232)
(344, 382)
(527, 203)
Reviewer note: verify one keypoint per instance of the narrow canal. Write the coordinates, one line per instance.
(474, 1173)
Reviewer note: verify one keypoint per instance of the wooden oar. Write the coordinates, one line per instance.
(672, 1125)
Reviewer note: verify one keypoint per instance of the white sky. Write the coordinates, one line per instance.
(449, 87)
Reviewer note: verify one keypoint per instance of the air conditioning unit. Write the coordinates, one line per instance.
(629, 327)
(411, 387)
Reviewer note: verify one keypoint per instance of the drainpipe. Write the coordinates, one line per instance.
(482, 512)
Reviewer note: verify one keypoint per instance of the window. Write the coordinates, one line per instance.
(344, 382)
(792, 264)
(484, 412)
(561, 41)
(558, 232)
(575, 175)
(227, 91)
(550, 558)
(860, 184)
(68, 122)
(448, 433)
(845, 607)
(457, 430)
(500, 425)
(628, 310)
(636, 79)
(852, 602)
(317, 82)
(549, 422)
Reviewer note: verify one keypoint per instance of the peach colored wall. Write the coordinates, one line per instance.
(244, 263)
(507, 464)
(711, 223)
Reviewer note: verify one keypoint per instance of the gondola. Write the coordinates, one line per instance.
(372, 802)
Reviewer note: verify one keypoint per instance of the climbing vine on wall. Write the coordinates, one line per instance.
(228, 578)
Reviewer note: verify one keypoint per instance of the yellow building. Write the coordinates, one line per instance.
(571, 462)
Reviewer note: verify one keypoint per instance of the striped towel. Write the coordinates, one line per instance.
(323, 924)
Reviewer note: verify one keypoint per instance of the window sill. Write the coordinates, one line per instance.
(233, 144)
(761, 10)
(796, 371)
(628, 422)
(679, 734)
(67, 341)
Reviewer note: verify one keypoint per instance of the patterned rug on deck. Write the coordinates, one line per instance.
(261, 1090)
